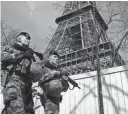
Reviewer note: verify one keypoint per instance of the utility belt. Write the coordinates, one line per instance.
(55, 98)
(44, 97)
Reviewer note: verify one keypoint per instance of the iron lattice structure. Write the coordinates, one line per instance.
(75, 39)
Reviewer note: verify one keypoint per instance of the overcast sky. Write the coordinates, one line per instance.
(32, 17)
(35, 18)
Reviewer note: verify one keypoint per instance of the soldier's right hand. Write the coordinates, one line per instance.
(56, 73)
(29, 53)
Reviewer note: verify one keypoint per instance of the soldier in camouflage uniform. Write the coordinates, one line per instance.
(52, 83)
(16, 60)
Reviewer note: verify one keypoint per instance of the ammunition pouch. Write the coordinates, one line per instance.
(4, 77)
(23, 66)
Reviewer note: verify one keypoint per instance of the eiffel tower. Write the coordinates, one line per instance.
(75, 39)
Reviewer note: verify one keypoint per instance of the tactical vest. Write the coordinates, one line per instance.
(21, 68)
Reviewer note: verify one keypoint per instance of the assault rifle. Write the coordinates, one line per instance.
(73, 83)
(40, 55)
(70, 80)
(62, 73)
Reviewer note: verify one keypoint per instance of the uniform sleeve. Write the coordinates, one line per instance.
(6, 55)
(48, 76)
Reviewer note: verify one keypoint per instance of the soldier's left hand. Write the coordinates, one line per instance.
(56, 73)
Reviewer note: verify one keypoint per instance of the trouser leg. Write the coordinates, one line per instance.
(28, 100)
(13, 98)
(51, 107)
(15, 107)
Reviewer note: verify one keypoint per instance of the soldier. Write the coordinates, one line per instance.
(16, 61)
(52, 83)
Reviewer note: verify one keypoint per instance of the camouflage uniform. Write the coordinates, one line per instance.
(18, 79)
(51, 99)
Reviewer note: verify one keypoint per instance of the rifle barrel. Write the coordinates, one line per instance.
(40, 55)
(73, 82)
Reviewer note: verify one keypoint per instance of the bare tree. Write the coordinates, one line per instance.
(8, 34)
(58, 5)
(117, 14)
(117, 11)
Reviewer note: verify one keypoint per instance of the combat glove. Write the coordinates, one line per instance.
(18, 56)
(29, 53)
(55, 74)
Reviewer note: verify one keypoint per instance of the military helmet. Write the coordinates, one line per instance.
(54, 88)
(24, 34)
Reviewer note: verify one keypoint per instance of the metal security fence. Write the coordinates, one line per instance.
(85, 100)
